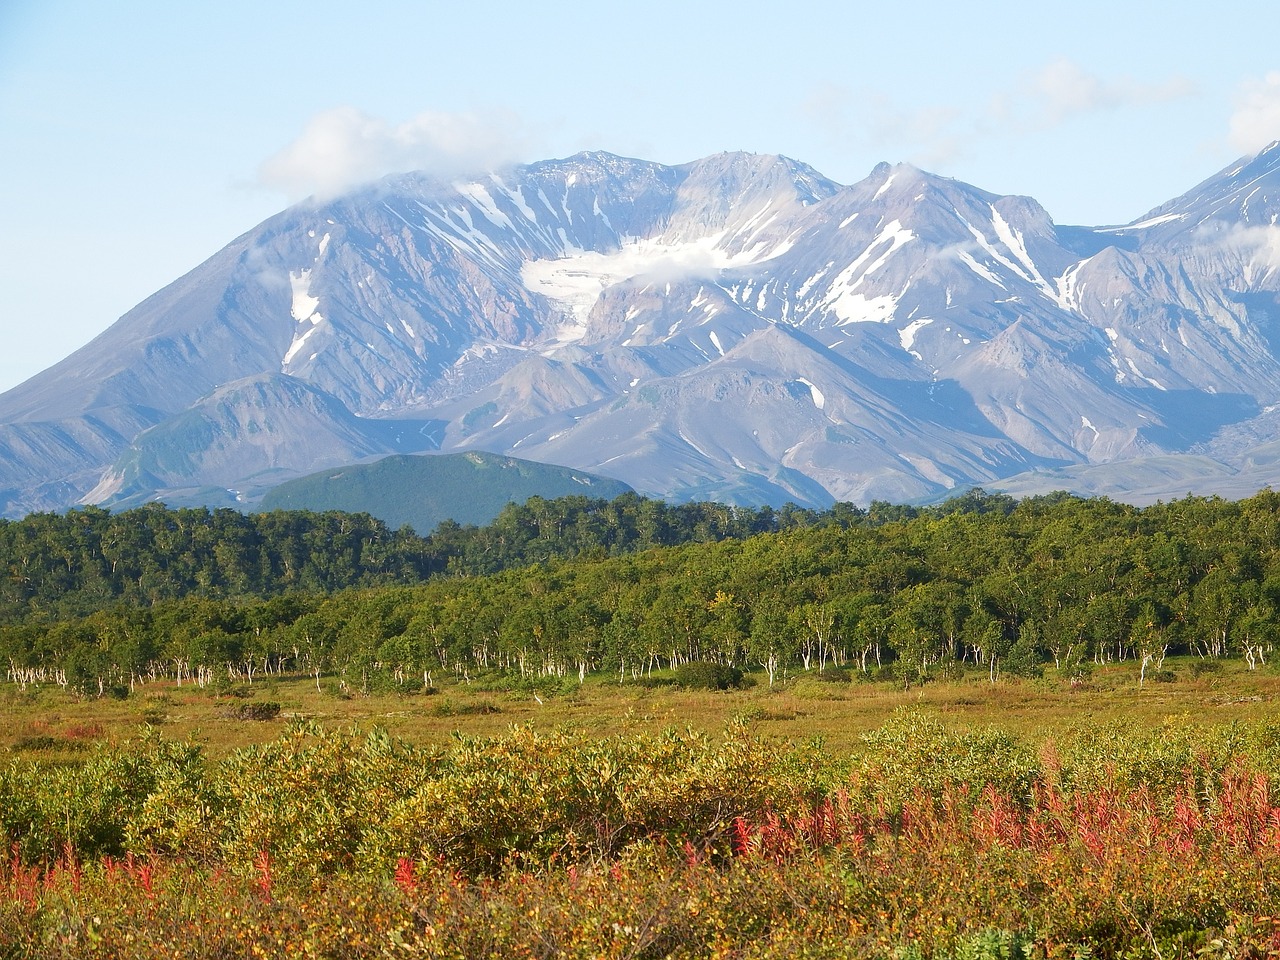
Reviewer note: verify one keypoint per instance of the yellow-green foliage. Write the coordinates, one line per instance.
(928, 842)
(914, 754)
(536, 798)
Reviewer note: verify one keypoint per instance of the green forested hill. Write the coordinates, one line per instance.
(424, 491)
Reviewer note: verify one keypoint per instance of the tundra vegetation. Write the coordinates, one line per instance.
(624, 729)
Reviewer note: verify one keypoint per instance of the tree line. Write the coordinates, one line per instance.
(586, 587)
(71, 564)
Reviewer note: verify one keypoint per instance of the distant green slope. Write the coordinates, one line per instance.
(421, 491)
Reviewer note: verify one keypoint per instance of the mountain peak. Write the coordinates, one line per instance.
(1249, 168)
(1271, 148)
(742, 171)
(886, 177)
(601, 160)
(1244, 193)
(594, 166)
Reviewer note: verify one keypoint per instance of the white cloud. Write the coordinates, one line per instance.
(1062, 89)
(1255, 245)
(345, 147)
(940, 134)
(1256, 121)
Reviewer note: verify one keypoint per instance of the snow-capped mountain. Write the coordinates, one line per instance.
(736, 328)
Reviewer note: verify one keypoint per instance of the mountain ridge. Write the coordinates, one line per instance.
(738, 324)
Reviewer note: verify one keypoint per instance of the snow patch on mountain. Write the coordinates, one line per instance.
(1014, 243)
(1133, 368)
(1143, 224)
(575, 282)
(819, 400)
(516, 196)
(1012, 239)
(843, 298)
(1066, 294)
(304, 308)
(978, 268)
(304, 305)
(479, 195)
(907, 335)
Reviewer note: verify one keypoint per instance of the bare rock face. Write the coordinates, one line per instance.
(738, 328)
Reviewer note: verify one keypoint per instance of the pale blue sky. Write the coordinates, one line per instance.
(138, 137)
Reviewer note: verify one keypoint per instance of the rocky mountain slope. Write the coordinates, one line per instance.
(737, 328)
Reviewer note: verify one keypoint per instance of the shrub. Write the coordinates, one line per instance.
(531, 798)
(1201, 668)
(832, 675)
(883, 674)
(701, 675)
(914, 755)
(1023, 660)
(260, 710)
(994, 945)
(547, 685)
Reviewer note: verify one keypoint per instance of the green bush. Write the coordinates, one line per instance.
(1201, 668)
(914, 755)
(256, 710)
(547, 685)
(994, 945)
(532, 798)
(701, 675)
(832, 675)
(1024, 660)
(883, 674)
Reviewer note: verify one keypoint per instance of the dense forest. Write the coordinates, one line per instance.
(98, 602)
(60, 565)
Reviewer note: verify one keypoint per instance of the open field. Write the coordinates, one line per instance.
(50, 723)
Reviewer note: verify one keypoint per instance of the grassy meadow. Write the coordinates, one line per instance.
(46, 722)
